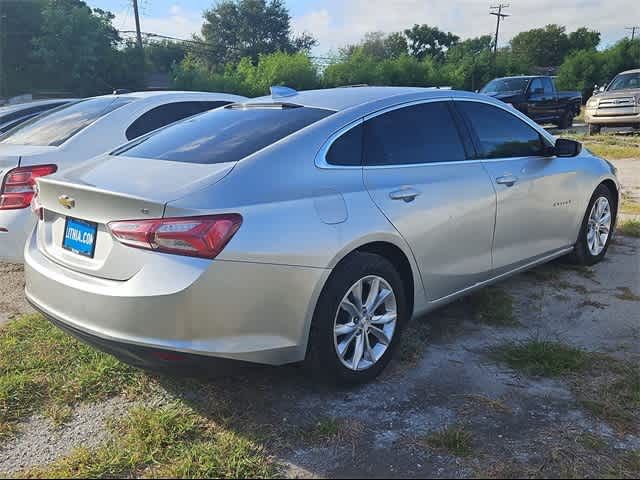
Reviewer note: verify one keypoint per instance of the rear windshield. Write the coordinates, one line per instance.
(55, 127)
(224, 135)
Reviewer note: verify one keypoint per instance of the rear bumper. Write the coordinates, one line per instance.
(256, 313)
(15, 227)
(157, 360)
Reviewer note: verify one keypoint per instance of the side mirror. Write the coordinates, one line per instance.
(567, 148)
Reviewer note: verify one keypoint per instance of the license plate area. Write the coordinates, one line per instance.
(80, 237)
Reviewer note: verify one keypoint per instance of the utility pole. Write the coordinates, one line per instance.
(3, 36)
(137, 16)
(499, 16)
(633, 31)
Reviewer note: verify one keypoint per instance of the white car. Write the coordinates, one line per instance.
(71, 134)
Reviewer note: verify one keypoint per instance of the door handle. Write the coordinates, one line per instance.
(408, 194)
(508, 180)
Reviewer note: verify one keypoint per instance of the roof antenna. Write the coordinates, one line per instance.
(281, 92)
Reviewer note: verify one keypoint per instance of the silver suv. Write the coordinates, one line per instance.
(617, 106)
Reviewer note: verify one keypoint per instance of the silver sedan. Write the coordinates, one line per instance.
(308, 226)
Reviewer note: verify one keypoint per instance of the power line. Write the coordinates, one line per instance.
(199, 43)
(633, 31)
(499, 16)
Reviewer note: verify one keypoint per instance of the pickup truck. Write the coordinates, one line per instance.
(617, 105)
(536, 97)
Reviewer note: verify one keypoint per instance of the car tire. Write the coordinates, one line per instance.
(593, 129)
(586, 252)
(335, 329)
(566, 121)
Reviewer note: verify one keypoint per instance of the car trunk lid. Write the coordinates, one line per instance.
(108, 191)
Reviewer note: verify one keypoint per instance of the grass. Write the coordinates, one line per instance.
(629, 207)
(334, 432)
(608, 388)
(414, 341)
(454, 440)
(630, 228)
(615, 395)
(592, 442)
(43, 370)
(625, 293)
(542, 358)
(171, 441)
(493, 306)
(627, 467)
(610, 146)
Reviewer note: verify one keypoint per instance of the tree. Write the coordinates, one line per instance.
(20, 23)
(542, 47)
(162, 55)
(235, 29)
(429, 41)
(584, 39)
(76, 47)
(379, 45)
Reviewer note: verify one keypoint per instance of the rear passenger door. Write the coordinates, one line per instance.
(163, 115)
(537, 195)
(416, 167)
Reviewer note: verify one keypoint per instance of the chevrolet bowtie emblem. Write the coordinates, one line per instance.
(66, 201)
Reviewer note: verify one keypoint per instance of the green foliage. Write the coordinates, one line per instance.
(583, 69)
(542, 358)
(235, 29)
(162, 56)
(424, 40)
(78, 41)
(294, 70)
(542, 46)
(20, 21)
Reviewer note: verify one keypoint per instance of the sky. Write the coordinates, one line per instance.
(335, 23)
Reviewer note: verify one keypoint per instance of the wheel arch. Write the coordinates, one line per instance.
(390, 248)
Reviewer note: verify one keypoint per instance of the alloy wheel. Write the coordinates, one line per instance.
(365, 323)
(599, 226)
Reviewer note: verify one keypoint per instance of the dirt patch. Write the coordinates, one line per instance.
(12, 300)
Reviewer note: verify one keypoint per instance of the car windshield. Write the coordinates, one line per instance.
(504, 85)
(55, 127)
(625, 81)
(224, 135)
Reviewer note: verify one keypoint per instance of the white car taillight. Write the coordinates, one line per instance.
(203, 237)
(19, 186)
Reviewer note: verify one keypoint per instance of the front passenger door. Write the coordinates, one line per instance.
(416, 169)
(537, 196)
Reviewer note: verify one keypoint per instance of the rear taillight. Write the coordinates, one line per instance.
(19, 186)
(193, 236)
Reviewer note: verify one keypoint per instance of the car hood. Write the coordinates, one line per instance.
(157, 180)
(632, 92)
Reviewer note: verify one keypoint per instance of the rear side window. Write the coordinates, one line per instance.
(165, 114)
(536, 86)
(224, 135)
(55, 127)
(501, 134)
(25, 112)
(424, 133)
(347, 149)
(548, 86)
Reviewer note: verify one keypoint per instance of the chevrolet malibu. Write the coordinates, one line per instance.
(308, 226)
